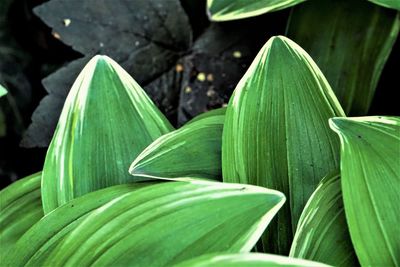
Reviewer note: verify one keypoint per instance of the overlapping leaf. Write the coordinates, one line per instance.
(276, 131)
(3, 91)
(194, 150)
(200, 217)
(106, 122)
(222, 10)
(350, 43)
(322, 233)
(247, 259)
(395, 4)
(20, 208)
(370, 172)
(40, 240)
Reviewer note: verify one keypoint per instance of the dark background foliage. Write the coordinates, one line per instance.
(187, 64)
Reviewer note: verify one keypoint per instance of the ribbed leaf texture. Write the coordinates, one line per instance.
(192, 151)
(394, 4)
(107, 120)
(276, 131)
(322, 233)
(370, 169)
(350, 42)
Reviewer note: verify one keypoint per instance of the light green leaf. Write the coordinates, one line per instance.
(164, 224)
(222, 10)
(192, 151)
(247, 259)
(276, 131)
(107, 120)
(3, 91)
(41, 239)
(20, 208)
(322, 233)
(395, 4)
(350, 43)
(370, 169)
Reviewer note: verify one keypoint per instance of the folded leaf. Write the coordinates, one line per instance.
(395, 4)
(3, 91)
(350, 43)
(221, 10)
(21, 207)
(247, 259)
(34, 246)
(107, 120)
(167, 223)
(192, 151)
(370, 172)
(276, 131)
(322, 233)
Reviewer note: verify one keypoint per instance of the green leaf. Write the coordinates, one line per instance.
(370, 172)
(192, 151)
(395, 4)
(3, 91)
(350, 43)
(222, 10)
(276, 131)
(106, 122)
(167, 223)
(21, 207)
(322, 233)
(34, 246)
(247, 259)
(214, 112)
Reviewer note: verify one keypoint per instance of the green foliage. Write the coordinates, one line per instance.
(3, 91)
(276, 131)
(370, 172)
(222, 10)
(395, 4)
(106, 122)
(322, 234)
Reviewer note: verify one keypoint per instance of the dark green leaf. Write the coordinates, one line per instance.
(192, 151)
(395, 4)
(164, 224)
(350, 43)
(222, 10)
(21, 207)
(370, 172)
(322, 233)
(276, 131)
(40, 240)
(107, 120)
(248, 260)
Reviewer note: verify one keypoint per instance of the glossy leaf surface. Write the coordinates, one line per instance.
(222, 10)
(322, 233)
(350, 43)
(106, 122)
(370, 169)
(20, 208)
(34, 246)
(247, 259)
(167, 223)
(395, 4)
(192, 151)
(276, 131)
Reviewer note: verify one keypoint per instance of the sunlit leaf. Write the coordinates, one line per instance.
(276, 131)
(370, 169)
(221, 10)
(3, 91)
(395, 4)
(40, 240)
(194, 150)
(247, 259)
(163, 224)
(350, 43)
(322, 233)
(20, 208)
(107, 120)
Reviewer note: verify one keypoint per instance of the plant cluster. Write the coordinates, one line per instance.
(280, 170)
